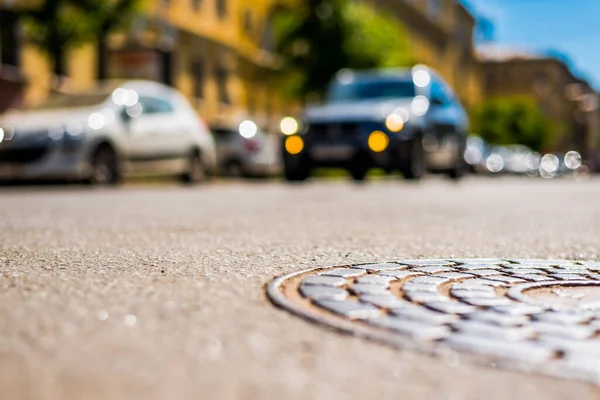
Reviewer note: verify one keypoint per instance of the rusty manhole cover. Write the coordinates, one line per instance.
(532, 315)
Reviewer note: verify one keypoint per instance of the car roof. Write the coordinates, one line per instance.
(402, 73)
(108, 86)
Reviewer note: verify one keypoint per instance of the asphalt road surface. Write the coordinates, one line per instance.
(157, 292)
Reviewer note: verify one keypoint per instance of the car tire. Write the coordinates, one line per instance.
(235, 169)
(359, 169)
(461, 166)
(456, 173)
(412, 161)
(299, 172)
(196, 172)
(105, 167)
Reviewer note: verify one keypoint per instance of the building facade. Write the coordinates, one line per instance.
(568, 101)
(214, 51)
(12, 79)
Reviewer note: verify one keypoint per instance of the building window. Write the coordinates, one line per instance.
(248, 23)
(222, 8)
(542, 84)
(222, 78)
(268, 35)
(9, 40)
(490, 81)
(196, 4)
(268, 106)
(434, 8)
(197, 73)
(250, 100)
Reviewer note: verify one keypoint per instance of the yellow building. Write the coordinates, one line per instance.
(441, 35)
(211, 50)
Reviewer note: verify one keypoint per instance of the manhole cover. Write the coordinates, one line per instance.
(533, 315)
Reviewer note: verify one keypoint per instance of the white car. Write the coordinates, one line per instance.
(118, 130)
(246, 150)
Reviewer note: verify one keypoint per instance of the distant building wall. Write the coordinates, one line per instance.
(558, 93)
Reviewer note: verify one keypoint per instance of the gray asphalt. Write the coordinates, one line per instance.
(157, 292)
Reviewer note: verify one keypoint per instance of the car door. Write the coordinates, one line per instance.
(149, 130)
(228, 146)
(442, 112)
(444, 139)
(176, 125)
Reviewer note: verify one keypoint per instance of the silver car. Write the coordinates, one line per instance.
(117, 130)
(246, 150)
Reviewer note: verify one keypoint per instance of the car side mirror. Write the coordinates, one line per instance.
(437, 101)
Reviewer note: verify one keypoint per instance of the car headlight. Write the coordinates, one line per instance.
(394, 122)
(294, 144)
(378, 141)
(7, 133)
(56, 132)
(248, 129)
(290, 126)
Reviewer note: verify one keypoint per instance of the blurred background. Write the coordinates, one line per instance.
(530, 111)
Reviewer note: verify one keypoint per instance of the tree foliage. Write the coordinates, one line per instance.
(56, 26)
(512, 121)
(317, 38)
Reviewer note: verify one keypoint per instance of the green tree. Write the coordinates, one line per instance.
(512, 121)
(106, 16)
(318, 38)
(374, 39)
(56, 26)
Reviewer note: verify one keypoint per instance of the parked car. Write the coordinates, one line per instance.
(246, 150)
(117, 130)
(517, 161)
(476, 154)
(398, 119)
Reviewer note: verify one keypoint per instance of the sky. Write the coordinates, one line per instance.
(569, 27)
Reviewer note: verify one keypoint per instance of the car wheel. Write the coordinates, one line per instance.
(359, 169)
(296, 173)
(104, 167)
(412, 162)
(460, 167)
(196, 172)
(234, 169)
(456, 173)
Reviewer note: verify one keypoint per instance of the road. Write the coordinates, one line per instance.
(157, 292)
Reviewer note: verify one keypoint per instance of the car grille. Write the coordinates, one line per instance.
(332, 132)
(444, 129)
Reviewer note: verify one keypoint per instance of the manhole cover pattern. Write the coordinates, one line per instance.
(533, 315)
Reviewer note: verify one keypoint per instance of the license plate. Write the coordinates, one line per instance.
(332, 152)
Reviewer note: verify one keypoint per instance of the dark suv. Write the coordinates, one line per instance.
(405, 120)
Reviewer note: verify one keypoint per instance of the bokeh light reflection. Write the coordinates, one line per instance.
(573, 160)
(494, 163)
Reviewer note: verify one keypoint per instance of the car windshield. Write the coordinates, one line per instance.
(373, 89)
(58, 101)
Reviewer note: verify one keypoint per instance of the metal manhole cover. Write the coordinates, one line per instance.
(532, 315)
